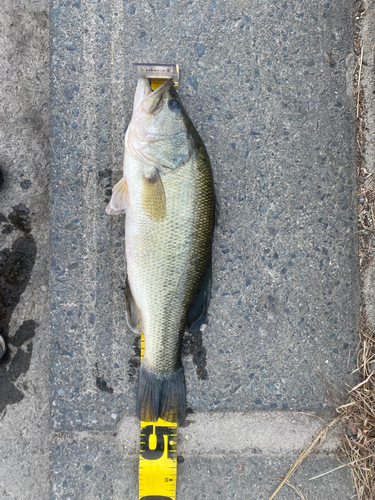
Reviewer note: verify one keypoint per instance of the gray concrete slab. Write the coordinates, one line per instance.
(266, 85)
(278, 125)
(208, 434)
(254, 477)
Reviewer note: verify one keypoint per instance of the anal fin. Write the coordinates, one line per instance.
(199, 305)
(133, 313)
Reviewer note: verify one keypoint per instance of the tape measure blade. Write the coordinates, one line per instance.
(157, 458)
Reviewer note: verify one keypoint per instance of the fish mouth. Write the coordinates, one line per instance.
(145, 98)
(159, 90)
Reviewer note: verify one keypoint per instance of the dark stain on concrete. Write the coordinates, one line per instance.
(11, 367)
(101, 384)
(16, 264)
(20, 218)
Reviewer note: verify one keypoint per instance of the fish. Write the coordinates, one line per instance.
(167, 193)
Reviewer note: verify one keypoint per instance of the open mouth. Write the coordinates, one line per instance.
(158, 90)
(149, 100)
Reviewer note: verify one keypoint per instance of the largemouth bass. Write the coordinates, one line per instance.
(167, 192)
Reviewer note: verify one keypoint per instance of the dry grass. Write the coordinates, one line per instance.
(313, 446)
(358, 416)
(358, 413)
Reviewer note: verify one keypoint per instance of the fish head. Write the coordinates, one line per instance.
(160, 130)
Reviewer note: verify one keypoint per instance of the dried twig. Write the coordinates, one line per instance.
(359, 81)
(314, 444)
(295, 488)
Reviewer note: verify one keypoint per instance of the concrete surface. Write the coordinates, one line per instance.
(236, 453)
(285, 294)
(269, 433)
(24, 250)
(268, 85)
(93, 469)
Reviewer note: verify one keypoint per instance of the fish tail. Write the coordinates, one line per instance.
(161, 397)
(173, 400)
(148, 398)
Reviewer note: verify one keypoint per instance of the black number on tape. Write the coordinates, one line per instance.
(160, 432)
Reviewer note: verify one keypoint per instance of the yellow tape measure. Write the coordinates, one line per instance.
(157, 458)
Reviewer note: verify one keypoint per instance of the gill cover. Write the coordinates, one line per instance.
(161, 124)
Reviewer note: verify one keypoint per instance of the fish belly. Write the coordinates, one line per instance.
(159, 255)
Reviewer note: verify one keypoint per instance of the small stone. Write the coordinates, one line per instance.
(187, 437)
(43, 288)
(362, 200)
(7, 229)
(193, 81)
(200, 49)
(25, 184)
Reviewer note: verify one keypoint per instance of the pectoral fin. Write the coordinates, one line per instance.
(153, 197)
(120, 198)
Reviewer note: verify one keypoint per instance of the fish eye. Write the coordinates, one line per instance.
(174, 105)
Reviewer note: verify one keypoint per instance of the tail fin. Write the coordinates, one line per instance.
(173, 399)
(163, 397)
